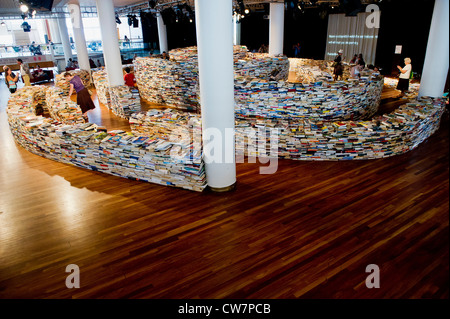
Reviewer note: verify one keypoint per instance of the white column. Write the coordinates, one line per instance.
(78, 34)
(110, 40)
(162, 34)
(436, 65)
(276, 33)
(54, 31)
(215, 58)
(237, 29)
(65, 39)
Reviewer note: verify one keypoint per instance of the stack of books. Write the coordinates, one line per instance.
(60, 108)
(101, 84)
(124, 101)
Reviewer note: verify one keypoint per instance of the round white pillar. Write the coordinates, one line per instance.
(110, 40)
(78, 34)
(237, 29)
(65, 39)
(276, 34)
(54, 31)
(435, 70)
(216, 74)
(162, 34)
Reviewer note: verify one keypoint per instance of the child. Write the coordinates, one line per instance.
(129, 78)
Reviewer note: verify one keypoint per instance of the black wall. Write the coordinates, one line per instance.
(406, 23)
(149, 30)
(403, 22)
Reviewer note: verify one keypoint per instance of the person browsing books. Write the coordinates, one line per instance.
(83, 97)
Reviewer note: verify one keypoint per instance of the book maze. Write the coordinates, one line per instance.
(315, 120)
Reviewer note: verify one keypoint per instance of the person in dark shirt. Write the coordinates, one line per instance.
(338, 67)
(92, 64)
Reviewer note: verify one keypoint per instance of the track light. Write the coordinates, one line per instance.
(241, 7)
(24, 8)
(118, 20)
(152, 3)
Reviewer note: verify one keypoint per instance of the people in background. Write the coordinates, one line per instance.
(405, 76)
(297, 50)
(25, 72)
(83, 97)
(165, 56)
(11, 79)
(360, 61)
(338, 67)
(99, 64)
(127, 41)
(129, 78)
(92, 63)
(263, 49)
(35, 49)
(353, 61)
(38, 73)
(70, 65)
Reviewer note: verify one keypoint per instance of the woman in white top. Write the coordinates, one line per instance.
(403, 82)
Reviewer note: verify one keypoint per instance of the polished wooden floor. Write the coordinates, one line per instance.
(307, 232)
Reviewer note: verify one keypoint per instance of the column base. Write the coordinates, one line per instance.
(223, 189)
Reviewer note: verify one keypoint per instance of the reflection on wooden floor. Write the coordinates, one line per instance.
(308, 231)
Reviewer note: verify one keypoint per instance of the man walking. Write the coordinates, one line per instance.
(25, 72)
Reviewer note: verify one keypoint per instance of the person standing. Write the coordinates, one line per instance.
(83, 97)
(11, 80)
(25, 72)
(297, 50)
(338, 67)
(405, 75)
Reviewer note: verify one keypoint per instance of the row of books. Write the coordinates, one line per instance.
(115, 152)
(340, 100)
(175, 82)
(261, 86)
(383, 136)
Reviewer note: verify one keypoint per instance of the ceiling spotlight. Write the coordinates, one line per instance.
(23, 8)
(247, 11)
(118, 20)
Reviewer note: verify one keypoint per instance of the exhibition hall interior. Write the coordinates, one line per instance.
(226, 149)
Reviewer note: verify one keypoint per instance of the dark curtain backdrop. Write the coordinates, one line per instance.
(403, 22)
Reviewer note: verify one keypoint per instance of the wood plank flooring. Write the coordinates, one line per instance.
(307, 232)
